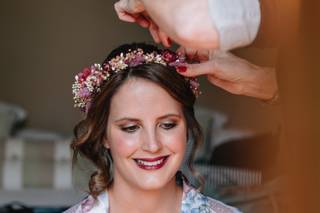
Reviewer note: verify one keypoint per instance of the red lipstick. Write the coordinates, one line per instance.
(151, 163)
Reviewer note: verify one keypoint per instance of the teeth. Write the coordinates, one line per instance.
(146, 163)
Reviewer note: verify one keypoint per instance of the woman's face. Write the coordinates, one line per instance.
(146, 134)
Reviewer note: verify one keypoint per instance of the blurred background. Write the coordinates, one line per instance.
(45, 43)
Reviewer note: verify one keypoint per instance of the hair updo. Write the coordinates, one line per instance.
(90, 132)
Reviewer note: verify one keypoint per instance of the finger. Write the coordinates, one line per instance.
(164, 39)
(170, 41)
(122, 14)
(203, 68)
(146, 18)
(202, 55)
(190, 53)
(154, 32)
(197, 55)
(142, 21)
(181, 50)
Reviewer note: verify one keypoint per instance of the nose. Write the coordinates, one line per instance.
(151, 142)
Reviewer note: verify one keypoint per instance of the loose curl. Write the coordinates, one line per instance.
(90, 132)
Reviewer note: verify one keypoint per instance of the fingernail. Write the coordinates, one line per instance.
(181, 68)
(169, 41)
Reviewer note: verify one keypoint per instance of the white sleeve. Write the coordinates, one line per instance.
(237, 21)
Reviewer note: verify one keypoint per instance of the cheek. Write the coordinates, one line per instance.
(176, 140)
(123, 144)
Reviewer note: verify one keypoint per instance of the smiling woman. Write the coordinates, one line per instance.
(152, 137)
(139, 116)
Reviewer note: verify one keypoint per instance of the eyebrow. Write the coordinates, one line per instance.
(138, 120)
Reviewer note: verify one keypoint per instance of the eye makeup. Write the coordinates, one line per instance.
(129, 128)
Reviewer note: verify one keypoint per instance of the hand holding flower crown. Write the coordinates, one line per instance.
(233, 74)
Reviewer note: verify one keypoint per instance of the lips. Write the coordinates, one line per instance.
(151, 163)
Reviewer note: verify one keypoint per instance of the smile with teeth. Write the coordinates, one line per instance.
(150, 164)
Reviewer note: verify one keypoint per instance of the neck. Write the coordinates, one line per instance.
(123, 196)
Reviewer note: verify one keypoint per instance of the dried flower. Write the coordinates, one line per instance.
(88, 83)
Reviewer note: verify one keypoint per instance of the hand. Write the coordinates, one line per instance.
(158, 35)
(134, 11)
(234, 74)
(194, 55)
(131, 11)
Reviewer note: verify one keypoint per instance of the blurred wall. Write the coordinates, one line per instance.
(44, 43)
(299, 86)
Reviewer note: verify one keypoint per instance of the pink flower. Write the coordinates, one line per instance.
(106, 67)
(169, 56)
(84, 74)
(84, 92)
(139, 59)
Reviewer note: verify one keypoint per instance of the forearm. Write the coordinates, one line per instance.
(186, 22)
(264, 86)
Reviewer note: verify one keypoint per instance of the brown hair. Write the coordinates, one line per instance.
(90, 132)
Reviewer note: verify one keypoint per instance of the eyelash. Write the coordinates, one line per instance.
(168, 126)
(133, 128)
(130, 129)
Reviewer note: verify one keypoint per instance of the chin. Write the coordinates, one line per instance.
(154, 182)
(150, 177)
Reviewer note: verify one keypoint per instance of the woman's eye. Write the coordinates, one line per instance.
(168, 126)
(130, 129)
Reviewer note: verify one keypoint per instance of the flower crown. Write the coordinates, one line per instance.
(88, 83)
